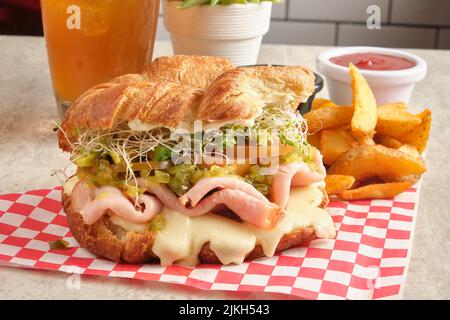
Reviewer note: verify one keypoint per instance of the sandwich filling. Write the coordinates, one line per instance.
(233, 188)
(180, 237)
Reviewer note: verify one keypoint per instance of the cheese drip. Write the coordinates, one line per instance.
(302, 211)
(129, 225)
(70, 184)
(188, 125)
(183, 237)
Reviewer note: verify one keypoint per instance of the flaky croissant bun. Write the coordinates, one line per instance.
(117, 244)
(242, 93)
(127, 98)
(169, 93)
(194, 71)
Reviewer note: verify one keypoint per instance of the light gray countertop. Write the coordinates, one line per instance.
(29, 154)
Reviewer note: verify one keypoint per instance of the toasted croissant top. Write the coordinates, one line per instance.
(195, 71)
(167, 98)
(242, 93)
(128, 98)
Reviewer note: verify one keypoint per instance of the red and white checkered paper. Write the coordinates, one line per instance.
(368, 259)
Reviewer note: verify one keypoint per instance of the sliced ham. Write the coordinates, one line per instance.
(260, 213)
(206, 185)
(254, 209)
(93, 203)
(81, 194)
(297, 174)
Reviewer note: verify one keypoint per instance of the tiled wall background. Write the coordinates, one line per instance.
(405, 23)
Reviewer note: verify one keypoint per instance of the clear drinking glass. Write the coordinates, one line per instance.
(92, 41)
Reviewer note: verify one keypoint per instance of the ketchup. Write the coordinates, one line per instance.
(373, 61)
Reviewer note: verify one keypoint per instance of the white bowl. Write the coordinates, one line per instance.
(232, 31)
(387, 86)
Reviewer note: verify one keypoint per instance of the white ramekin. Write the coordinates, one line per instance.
(387, 86)
(232, 31)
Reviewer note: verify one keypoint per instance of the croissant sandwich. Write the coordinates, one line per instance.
(194, 160)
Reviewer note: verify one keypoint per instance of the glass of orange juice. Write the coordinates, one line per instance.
(92, 41)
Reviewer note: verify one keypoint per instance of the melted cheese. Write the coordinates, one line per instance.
(302, 211)
(173, 243)
(208, 126)
(138, 125)
(129, 225)
(183, 237)
(70, 184)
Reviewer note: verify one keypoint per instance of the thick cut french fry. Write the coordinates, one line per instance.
(336, 184)
(395, 121)
(387, 141)
(365, 114)
(412, 179)
(409, 149)
(365, 141)
(321, 102)
(375, 191)
(396, 105)
(314, 139)
(328, 118)
(376, 161)
(419, 135)
(334, 142)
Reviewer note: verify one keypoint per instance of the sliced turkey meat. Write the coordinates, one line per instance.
(92, 203)
(296, 174)
(250, 207)
(206, 185)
